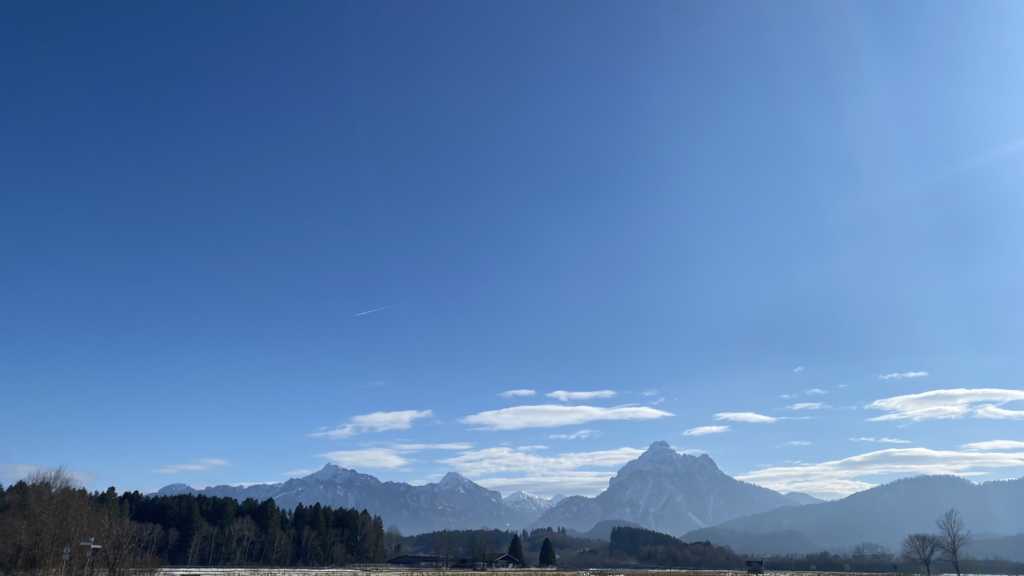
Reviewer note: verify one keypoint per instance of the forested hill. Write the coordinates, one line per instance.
(39, 518)
(652, 548)
(213, 531)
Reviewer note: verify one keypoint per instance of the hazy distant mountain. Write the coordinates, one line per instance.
(802, 499)
(882, 515)
(528, 504)
(666, 491)
(1005, 548)
(453, 503)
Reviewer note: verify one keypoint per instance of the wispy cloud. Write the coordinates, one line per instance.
(556, 415)
(436, 446)
(808, 406)
(797, 443)
(883, 440)
(566, 396)
(836, 478)
(199, 465)
(705, 430)
(577, 435)
(368, 458)
(374, 422)
(373, 310)
(507, 459)
(746, 417)
(798, 369)
(902, 375)
(581, 482)
(506, 468)
(532, 447)
(815, 392)
(991, 412)
(950, 404)
(995, 445)
(518, 393)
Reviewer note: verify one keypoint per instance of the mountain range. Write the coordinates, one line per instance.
(662, 490)
(880, 515)
(454, 502)
(679, 494)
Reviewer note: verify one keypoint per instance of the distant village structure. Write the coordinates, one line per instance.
(502, 562)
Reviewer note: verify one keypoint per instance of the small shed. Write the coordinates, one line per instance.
(506, 561)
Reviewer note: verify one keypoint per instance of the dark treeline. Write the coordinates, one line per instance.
(42, 516)
(212, 531)
(45, 521)
(647, 547)
(483, 545)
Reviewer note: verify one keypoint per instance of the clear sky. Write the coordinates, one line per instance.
(239, 240)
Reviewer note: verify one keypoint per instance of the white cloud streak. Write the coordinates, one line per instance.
(995, 445)
(556, 415)
(505, 468)
(902, 375)
(950, 404)
(746, 417)
(506, 459)
(437, 446)
(369, 458)
(577, 435)
(567, 396)
(374, 422)
(198, 466)
(836, 478)
(581, 482)
(808, 406)
(883, 440)
(705, 430)
(518, 393)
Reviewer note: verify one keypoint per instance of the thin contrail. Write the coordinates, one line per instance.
(371, 311)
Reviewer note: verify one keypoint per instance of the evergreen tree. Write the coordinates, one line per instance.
(515, 549)
(547, 554)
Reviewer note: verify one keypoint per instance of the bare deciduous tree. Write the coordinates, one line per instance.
(953, 536)
(921, 548)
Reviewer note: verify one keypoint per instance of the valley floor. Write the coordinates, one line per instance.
(387, 571)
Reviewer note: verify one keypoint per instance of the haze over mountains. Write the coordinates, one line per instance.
(881, 515)
(680, 494)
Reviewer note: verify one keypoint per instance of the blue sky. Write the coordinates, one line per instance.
(238, 241)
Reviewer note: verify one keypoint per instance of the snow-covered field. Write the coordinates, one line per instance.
(388, 571)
